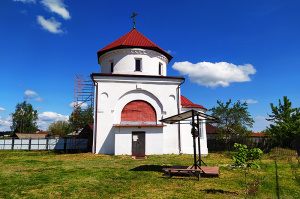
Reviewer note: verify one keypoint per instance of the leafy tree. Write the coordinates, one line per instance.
(286, 121)
(81, 117)
(24, 118)
(235, 119)
(61, 128)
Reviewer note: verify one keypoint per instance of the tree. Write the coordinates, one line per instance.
(286, 122)
(61, 128)
(80, 118)
(235, 119)
(24, 118)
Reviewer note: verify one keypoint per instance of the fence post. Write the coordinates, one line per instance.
(29, 147)
(65, 145)
(12, 144)
(47, 142)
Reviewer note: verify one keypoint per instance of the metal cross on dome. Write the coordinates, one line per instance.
(133, 16)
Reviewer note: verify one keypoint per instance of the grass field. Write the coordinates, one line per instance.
(45, 174)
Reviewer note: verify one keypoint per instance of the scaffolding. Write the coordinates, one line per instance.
(83, 107)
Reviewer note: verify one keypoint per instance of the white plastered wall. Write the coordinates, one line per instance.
(153, 140)
(115, 92)
(124, 62)
(186, 136)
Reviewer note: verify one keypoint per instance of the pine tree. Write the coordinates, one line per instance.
(286, 122)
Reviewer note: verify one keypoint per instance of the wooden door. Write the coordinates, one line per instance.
(138, 143)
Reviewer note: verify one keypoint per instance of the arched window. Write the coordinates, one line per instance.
(138, 112)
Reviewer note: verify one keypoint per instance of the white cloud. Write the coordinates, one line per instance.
(46, 118)
(171, 52)
(5, 123)
(32, 96)
(51, 24)
(24, 12)
(52, 116)
(26, 1)
(81, 104)
(39, 99)
(2, 109)
(250, 101)
(215, 74)
(58, 7)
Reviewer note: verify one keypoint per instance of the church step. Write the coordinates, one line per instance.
(139, 157)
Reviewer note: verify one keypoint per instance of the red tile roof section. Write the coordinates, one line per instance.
(210, 129)
(188, 104)
(133, 39)
(41, 132)
(259, 135)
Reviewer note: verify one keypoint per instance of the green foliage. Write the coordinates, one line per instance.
(286, 122)
(81, 117)
(60, 128)
(235, 119)
(24, 118)
(246, 157)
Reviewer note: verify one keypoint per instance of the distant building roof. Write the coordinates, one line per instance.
(41, 132)
(31, 136)
(259, 135)
(188, 104)
(210, 129)
(133, 39)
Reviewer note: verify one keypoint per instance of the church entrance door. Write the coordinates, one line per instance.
(138, 143)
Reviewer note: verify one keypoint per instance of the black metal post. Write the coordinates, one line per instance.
(12, 144)
(65, 145)
(199, 147)
(194, 142)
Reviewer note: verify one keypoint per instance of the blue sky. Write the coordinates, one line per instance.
(243, 50)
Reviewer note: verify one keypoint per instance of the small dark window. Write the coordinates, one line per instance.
(159, 68)
(111, 67)
(138, 65)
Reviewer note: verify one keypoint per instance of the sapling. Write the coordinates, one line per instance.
(246, 158)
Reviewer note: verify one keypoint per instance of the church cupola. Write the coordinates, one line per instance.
(133, 54)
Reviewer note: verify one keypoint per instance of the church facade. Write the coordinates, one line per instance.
(132, 93)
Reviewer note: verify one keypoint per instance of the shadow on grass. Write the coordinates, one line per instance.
(69, 151)
(214, 191)
(157, 168)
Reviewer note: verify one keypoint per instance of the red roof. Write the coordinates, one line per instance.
(188, 104)
(41, 132)
(133, 39)
(259, 135)
(210, 129)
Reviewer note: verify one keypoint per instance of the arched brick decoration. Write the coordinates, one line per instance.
(138, 112)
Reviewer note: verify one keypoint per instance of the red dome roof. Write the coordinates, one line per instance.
(188, 104)
(133, 39)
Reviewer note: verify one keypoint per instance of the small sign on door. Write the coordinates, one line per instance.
(135, 138)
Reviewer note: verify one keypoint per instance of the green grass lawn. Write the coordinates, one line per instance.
(45, 174)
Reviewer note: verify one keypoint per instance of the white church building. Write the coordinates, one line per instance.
(132, 93)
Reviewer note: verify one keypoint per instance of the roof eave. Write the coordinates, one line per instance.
(169, 57)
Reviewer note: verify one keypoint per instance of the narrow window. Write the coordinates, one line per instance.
(159, 69)
(138, 65)
(111, 66)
